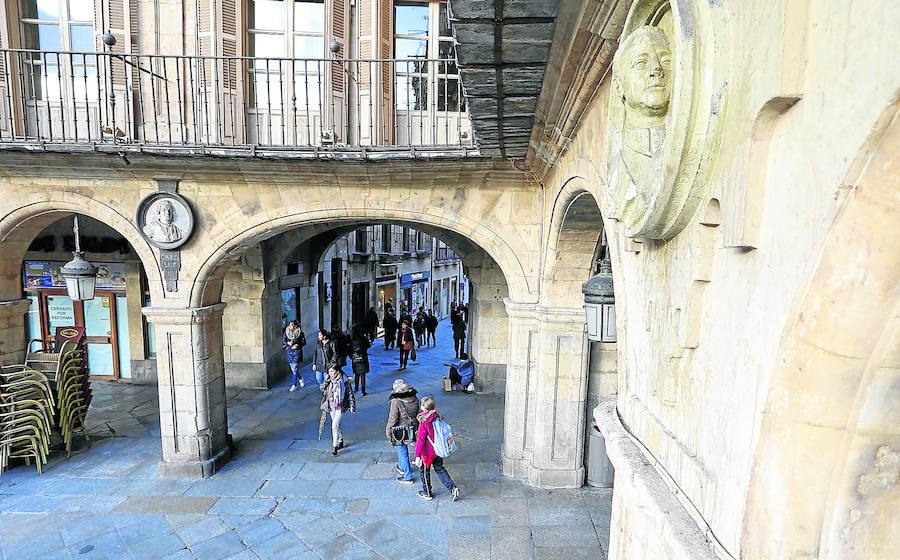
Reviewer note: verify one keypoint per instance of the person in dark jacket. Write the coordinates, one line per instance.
(324, 355)
(431, 325)
(293, 342)
(403, 409)
(359, 357)
(341, 343)
(390, 330)
(405, 342)
(419, 327)
(459, 334)
(371, 324)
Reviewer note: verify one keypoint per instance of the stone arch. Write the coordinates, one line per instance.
(821, 478)
(19, 227)
(473, 232)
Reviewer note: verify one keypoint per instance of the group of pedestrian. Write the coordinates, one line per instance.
(413, 422)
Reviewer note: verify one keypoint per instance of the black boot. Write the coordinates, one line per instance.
(334, 451)
(340, 444)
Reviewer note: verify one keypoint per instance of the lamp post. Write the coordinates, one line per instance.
(80, 275)
(600, 304)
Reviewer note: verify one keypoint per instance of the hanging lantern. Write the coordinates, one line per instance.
(80, 275)
(600, 304)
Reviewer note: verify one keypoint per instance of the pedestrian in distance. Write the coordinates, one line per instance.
(405, 316)
(371, 324)
(390, 330)
(405, 342)
(459, 334)
(426, 456)
(419, 327)
(325, 355)
(431, 325)
(341, 343)
(359, 358)
(337, 399)
(402, 426)
(293, 342)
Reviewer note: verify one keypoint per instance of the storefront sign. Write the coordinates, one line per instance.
(45, 274)
(409, 279)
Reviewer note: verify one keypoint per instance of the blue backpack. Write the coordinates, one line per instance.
(444, 443)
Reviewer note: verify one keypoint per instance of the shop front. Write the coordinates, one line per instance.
(414, 287)
(104, 318)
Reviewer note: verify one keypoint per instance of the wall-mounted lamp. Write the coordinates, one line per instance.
(600, 304)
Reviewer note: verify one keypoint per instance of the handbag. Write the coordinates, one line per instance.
(408, 346)
(412, 354)
(403, 433)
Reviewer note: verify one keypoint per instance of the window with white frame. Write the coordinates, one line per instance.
(422, 32)
(279, 30)
(54, 27)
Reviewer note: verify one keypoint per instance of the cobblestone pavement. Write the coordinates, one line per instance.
(283, 495)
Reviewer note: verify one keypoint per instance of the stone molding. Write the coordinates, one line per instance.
(183, 315)
(11, 307)
(544, 313)
(640, 482)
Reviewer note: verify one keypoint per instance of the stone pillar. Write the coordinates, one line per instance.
(12, 331)
(192, 408)
(546, 396)
(488, 337)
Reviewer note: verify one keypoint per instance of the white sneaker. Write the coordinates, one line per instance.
(302, 384)
(293, 388)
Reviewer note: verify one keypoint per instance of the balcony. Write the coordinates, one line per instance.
(270, 107)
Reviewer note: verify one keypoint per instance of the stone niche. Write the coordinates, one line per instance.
(663, 120)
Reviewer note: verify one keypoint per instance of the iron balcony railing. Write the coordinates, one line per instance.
(277, 104)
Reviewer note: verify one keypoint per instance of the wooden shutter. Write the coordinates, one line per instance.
(220, 112)
(336, 111)
(385, 51)
(5, 117)
(120, 18)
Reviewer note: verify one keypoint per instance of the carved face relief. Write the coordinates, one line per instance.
(645, 71)
(166, 220)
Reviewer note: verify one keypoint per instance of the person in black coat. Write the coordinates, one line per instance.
(459, 334)
(390, 330)
(371, 324)
(359, 357)
(431, 325)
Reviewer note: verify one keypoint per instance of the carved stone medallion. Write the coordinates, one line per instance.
(166, 220)
(663, 120)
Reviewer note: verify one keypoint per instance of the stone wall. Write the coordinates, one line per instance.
(247, 349)
(702, 316)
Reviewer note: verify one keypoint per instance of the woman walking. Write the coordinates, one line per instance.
(359, 356)
(402, 425)
(337, 398)
(406, 342)
(459, 334)
(325, 355)
(294, 340)
(426, 458)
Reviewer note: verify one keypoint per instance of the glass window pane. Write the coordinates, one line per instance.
(447, 51)
(444, 21)
(81, 10)
(307, 87)
(267, 46)
(309, 47)
(96, 317)
(100, 359)
(123, 337)
(33, 322)
(40, 9)
(82, 38)
(449, 94)
(267, 14)
(60, 312)
(410, 48)
(309, 16)
(41, 37)
(265, 90)
(411, 19)
(412, 93)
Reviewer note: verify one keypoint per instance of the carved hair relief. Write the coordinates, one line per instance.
(662, 125)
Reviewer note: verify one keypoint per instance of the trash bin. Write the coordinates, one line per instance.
(600, 472)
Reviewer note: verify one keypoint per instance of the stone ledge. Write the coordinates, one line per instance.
(681, 536)
(197, 469)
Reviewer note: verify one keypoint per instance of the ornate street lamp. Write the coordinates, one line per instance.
(80, 275)
(600, 304)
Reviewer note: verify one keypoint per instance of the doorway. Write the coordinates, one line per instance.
(99, 319)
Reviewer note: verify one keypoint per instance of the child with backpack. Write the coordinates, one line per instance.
(433, 444)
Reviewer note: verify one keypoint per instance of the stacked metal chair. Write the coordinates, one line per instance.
(26, 416)
(73, 397)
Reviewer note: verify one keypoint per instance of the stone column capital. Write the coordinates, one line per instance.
(14, 306)
(183, 315)
(519, 310)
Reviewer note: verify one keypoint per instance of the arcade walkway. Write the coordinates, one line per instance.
(284, 495)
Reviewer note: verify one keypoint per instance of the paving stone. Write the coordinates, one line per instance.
(218, 547)
(224, 487)
(171, 505)
(388, 540)
(401, 505)
(469, 547)
(157, 546)
(295, 488)
(558, 516)
(201, 530)
(512, 543)
(344, 547)
(568, 554)
(575, 536)
(293, 506)
(471, 524)
(319, 532)
(246, 506)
